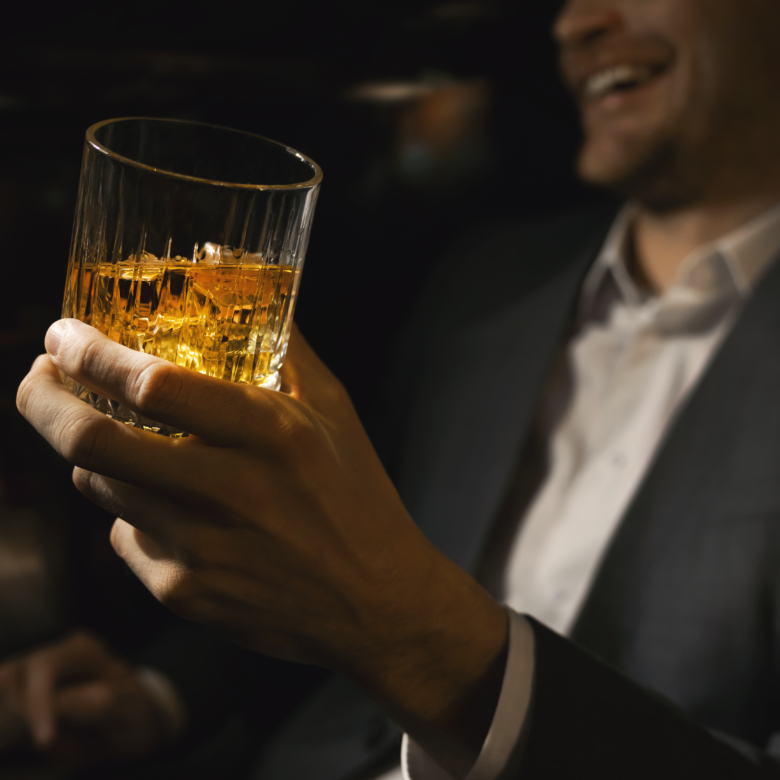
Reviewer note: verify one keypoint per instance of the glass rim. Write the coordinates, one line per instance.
(99, 147)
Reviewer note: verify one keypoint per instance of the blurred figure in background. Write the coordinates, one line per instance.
(57, 572)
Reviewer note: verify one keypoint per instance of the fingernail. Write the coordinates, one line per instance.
(53, 339)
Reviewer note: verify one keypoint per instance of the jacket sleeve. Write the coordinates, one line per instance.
(586, 720)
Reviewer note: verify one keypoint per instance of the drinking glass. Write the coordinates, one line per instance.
(188, 244)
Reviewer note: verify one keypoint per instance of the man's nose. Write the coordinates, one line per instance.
(582, 20)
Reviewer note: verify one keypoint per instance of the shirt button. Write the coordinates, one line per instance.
(619, 460)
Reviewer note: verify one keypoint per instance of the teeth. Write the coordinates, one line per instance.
(602, 83)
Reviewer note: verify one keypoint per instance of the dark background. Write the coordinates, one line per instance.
(426, 117)
(494, 134)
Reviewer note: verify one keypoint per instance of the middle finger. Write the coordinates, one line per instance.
(92, 441)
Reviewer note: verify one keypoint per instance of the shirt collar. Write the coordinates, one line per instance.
(745, 252)
(610, 264)
(749, 249)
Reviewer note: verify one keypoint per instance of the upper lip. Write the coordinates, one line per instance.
(603, 81)
(588, 71)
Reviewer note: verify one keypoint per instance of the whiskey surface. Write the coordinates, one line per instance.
(224, 320)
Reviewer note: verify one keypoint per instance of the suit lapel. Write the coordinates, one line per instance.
(481, 418)
(686, 471)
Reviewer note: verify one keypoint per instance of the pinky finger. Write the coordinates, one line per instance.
(167, 579)
(142, 508)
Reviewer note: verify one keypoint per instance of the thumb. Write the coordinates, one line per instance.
(307, 379)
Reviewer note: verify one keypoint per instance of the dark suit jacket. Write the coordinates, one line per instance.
(687, 600)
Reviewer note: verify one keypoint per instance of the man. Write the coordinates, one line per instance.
(277, 524)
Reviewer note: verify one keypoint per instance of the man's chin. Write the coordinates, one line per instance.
(648, 173)
(609, 164)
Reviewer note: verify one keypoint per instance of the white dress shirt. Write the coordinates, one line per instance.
(631, 365)
(634, 360)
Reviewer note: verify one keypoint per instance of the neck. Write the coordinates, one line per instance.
(661, 241)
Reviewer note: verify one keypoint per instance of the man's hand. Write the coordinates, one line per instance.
(77, 701)
(276, 523)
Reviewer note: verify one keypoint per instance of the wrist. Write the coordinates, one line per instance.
(437, 661)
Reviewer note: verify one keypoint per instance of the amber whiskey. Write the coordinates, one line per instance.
(225, 320)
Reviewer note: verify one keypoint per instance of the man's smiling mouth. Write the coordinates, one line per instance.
(619, 78)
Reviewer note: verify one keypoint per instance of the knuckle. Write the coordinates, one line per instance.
(117, 539)
(156, 387)
(98, 490)
(83, 480)
(28, 390)
(175, 589)
(87, 359)
(82, 438)
(298, 440)
(23, 395)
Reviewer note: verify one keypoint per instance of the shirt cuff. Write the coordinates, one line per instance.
(507, 724)
(166, 698)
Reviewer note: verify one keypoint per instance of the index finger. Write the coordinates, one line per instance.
(211, 408)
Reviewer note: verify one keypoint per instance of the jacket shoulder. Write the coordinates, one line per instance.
(501, 260)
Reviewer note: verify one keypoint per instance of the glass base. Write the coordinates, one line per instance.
(121, 413)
